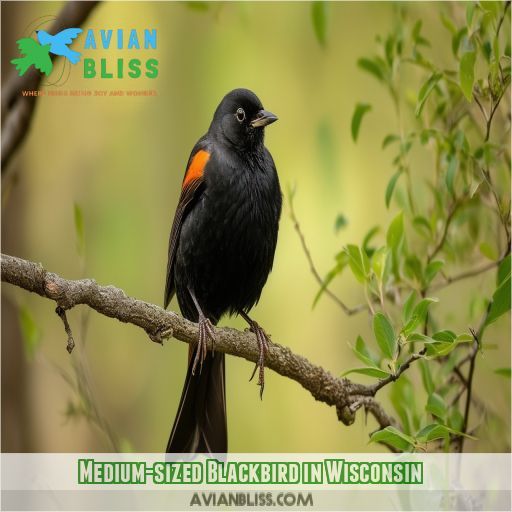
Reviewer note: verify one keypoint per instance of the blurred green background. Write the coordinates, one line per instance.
(122, 161)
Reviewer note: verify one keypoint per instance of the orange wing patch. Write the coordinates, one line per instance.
(196, 168)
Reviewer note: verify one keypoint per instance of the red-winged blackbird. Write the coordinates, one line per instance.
(221, 250)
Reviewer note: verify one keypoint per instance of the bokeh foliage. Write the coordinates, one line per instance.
(427, 243)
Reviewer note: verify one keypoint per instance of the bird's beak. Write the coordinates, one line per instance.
(263, 118)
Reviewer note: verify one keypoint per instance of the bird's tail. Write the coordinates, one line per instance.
(73, 56)
(200, 424)
(22, 64)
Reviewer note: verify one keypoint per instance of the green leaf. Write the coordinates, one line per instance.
(413, 268)
(504, 372)
(389, 48)
(363, 353)
(369, 235)
(432, 432)
(393, 436)
(418, 315)
(395, 232)
(503, 271)
(432, 269)
(319, 15)
(438, 431)
(450, 173)
(360, 110)
(457, 38)
(425, 91)
(416, 29)
(79, 229)
(446, 336)
(470, 10)
(385, 335)
(358, 262)
(488, 251)
(456, 419)
(29, 331)
(379, 262)
(408, 306)
(391, 186)
(436, 406)
(421, 308)
(374, 67)
(444, 342)
(422, 226)
(388, 139)
(467, 73)
(369, 371)
(500, 302)
(448, 23)
(340, 222)
(427, 134)
(492, 7)
(426, 377)
(423, 338)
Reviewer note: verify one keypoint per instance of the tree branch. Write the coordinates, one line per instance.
(17, 110)
(403, 367)
(464, 275)
(441, 242)
(160, 324)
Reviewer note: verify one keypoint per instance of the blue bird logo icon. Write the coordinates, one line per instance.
(60, 41)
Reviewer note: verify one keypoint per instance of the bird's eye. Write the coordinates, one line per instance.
(240, 115)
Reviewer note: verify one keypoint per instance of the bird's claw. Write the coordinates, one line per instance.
(263, 340)
(205, 331)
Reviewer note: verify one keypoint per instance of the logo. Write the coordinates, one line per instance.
(97, 46)
(37, 53)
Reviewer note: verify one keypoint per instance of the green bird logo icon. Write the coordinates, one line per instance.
(35, 55)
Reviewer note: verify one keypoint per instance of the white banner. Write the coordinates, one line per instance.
(256, 481)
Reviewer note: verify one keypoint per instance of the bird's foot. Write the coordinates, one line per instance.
(205, 331)
(263, 340)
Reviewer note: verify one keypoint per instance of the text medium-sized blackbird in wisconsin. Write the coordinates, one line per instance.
(221, 250)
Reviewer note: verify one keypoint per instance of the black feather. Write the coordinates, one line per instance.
(222, 246)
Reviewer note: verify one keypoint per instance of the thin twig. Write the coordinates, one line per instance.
(347, 310)
(503, 219)
(458, 396)
(62, 314)
(393, 377)
(459, 374)
(471, 372)
(464, 275)
(480, 106)
(441, 242)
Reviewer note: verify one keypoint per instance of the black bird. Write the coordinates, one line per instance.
(221, 250)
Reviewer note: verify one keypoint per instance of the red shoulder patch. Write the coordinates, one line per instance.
(196, 168)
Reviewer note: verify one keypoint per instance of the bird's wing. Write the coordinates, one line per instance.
(28, 46)
(42, 60)
(192, 187)
(66, 36)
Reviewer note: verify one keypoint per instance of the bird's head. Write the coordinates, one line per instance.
(43, 37)
(240, 119)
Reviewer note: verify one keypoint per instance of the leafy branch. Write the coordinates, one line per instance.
(468, 190)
